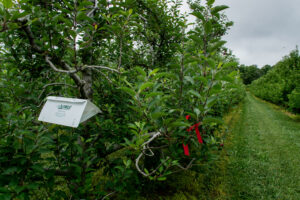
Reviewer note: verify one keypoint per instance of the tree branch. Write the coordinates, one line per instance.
(107, 78)
(120, 53)
(108, 195)
(100, 67)
(146, 147)
(71, 71)
(31, 38)
(94, 8)
(67, 69)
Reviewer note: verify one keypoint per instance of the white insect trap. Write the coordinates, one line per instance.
(67, 111)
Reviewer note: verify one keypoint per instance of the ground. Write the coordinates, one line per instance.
(263, 154)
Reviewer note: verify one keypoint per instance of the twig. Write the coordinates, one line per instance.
(100, 67)
(188, 166)
(109, 195)
(109, 80)
(146, 147)
(184, 168)
(93, 10)
(161, 147)
(51, 84)
(120, 53)
(143, 18)
(22, 109)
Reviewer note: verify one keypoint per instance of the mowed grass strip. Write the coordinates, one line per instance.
(264, 154)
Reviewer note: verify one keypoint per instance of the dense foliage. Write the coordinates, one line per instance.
(251, 73)
(281, 85)
(136, 62)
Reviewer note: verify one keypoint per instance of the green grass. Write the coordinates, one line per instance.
(264, 155)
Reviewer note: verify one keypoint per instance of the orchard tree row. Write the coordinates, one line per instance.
(162, 88)
(252, 72)
(281, 84)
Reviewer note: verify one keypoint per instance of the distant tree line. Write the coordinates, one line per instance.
(252, 72)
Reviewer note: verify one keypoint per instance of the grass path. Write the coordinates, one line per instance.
(263, 159)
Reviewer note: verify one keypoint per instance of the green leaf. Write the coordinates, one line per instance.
(211, 63)
(192, 59)
(85, 4)
(165, 75)
(153, 72)
(210, 2)
(217, 9)
(130, 11)
(233, 74)
(161, 169)
(144, 86)
(73, 34)
(211, 101)
(10, 170)
(128, 163)
(32, 186)
(217, 45)
(179, 124)
(201, 79)
(166, 97)
(198, 15)
(228, 24)
(3, 190)
(197, 111)
(31, 21)
(189, 79)
(153, 94)
(129, 143)
(208, 120)
(128, 90)
(230, 64)
(162, 178)
(195, 93)
(219, 65)
(141, 71)
(217, 86)
(146, 171)
(18, 15)
(127, 83)
(157, 115)
(227, 78)
(208, 27)
(7, 4)
(5, 196)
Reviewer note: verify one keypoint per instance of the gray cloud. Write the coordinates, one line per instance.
(264, 30)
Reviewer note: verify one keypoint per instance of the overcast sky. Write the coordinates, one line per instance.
(264, 30)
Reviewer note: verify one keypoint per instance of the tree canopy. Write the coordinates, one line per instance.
(136, 61)
(281, 84)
